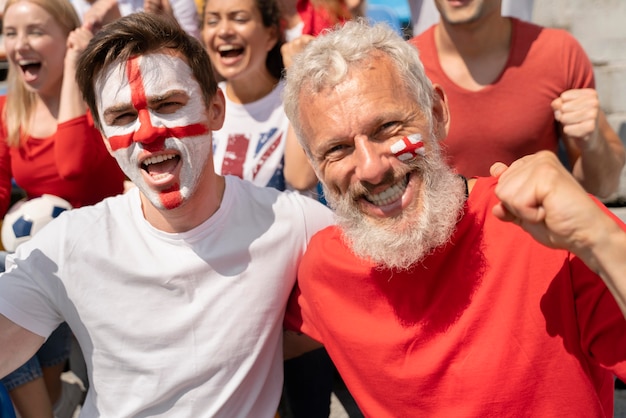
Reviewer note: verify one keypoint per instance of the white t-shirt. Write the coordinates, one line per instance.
(251, 143)
(170, 324)
(185, 12)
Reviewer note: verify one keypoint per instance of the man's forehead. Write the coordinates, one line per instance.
(155, 73)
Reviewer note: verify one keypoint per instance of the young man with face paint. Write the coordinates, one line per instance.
(175, 290)
(427, 302)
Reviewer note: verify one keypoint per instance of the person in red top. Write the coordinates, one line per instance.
(426, 301)
(48, 142)
(48, 145)
(515, 88)
(311, 17)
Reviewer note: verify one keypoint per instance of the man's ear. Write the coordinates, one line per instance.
(216, 110)
(441, 113)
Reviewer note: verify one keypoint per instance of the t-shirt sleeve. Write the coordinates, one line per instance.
(298, 315)
(579, 67)
(602, 324)
(30, 288)
(77, 145)
(316, 216)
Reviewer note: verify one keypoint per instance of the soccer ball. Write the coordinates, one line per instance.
(27, 216)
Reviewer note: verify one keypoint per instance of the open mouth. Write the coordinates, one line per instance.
(230, 51)
(389, 195)
(160, 166)
(30, 67)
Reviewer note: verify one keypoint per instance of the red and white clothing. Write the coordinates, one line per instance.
(492, 324)
(512, 116)
(251, 143)
(73, 164)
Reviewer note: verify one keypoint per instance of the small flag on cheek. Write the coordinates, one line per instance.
(408, 147)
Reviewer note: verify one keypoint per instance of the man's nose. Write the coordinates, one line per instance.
(372, 162)
(147, 133)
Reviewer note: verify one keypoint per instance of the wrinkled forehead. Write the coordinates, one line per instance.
(151, 75)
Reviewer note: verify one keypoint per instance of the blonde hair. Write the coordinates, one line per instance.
(20, 102)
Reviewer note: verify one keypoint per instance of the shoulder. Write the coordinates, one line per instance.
(290, 215)
(544, 37)
(424, 40)
(330, 234)
(240, 191)
(82, 229)
(110, 207)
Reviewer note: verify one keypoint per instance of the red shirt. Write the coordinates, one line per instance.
(512, 116)
(493, 324)
(73, 164)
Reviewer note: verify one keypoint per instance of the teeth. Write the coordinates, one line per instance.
(27, 62)
(390, 195)
(158, 159)
(225, 48)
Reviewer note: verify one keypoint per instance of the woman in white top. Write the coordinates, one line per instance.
(243, 39)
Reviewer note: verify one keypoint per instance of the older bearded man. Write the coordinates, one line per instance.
(428, 304)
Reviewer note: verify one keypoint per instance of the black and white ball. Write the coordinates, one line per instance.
(26, 217)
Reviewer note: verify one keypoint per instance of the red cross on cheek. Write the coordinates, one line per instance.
(150, 136)
(408, 147)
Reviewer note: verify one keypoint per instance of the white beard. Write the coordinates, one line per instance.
(401, 241)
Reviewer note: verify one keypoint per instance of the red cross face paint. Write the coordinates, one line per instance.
(408, 147)
(155, 122)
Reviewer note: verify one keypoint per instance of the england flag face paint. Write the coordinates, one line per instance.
(408, 147)
(155, 121)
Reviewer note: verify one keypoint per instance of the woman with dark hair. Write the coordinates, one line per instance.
(243, 39)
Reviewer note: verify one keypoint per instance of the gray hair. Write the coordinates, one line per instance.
(326, 61)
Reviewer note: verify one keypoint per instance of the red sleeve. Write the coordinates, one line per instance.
(600, 320)
(293, 316)
(77, 143)
(317, 18)
(5, 165)
(298, 315)
(578, 65)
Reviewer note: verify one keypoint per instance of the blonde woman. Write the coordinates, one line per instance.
(48, 144)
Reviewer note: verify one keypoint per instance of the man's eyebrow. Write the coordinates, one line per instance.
(157, 98)
(154, 99)
(115, 109)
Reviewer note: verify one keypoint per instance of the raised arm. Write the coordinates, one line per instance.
(100, 13)
(594, 148)
(72, 104)
(538, 194)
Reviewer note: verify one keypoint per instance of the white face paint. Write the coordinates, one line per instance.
(155, 120)
(408, 147)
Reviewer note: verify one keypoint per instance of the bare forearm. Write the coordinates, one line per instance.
(18, 345)
(599, 167)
